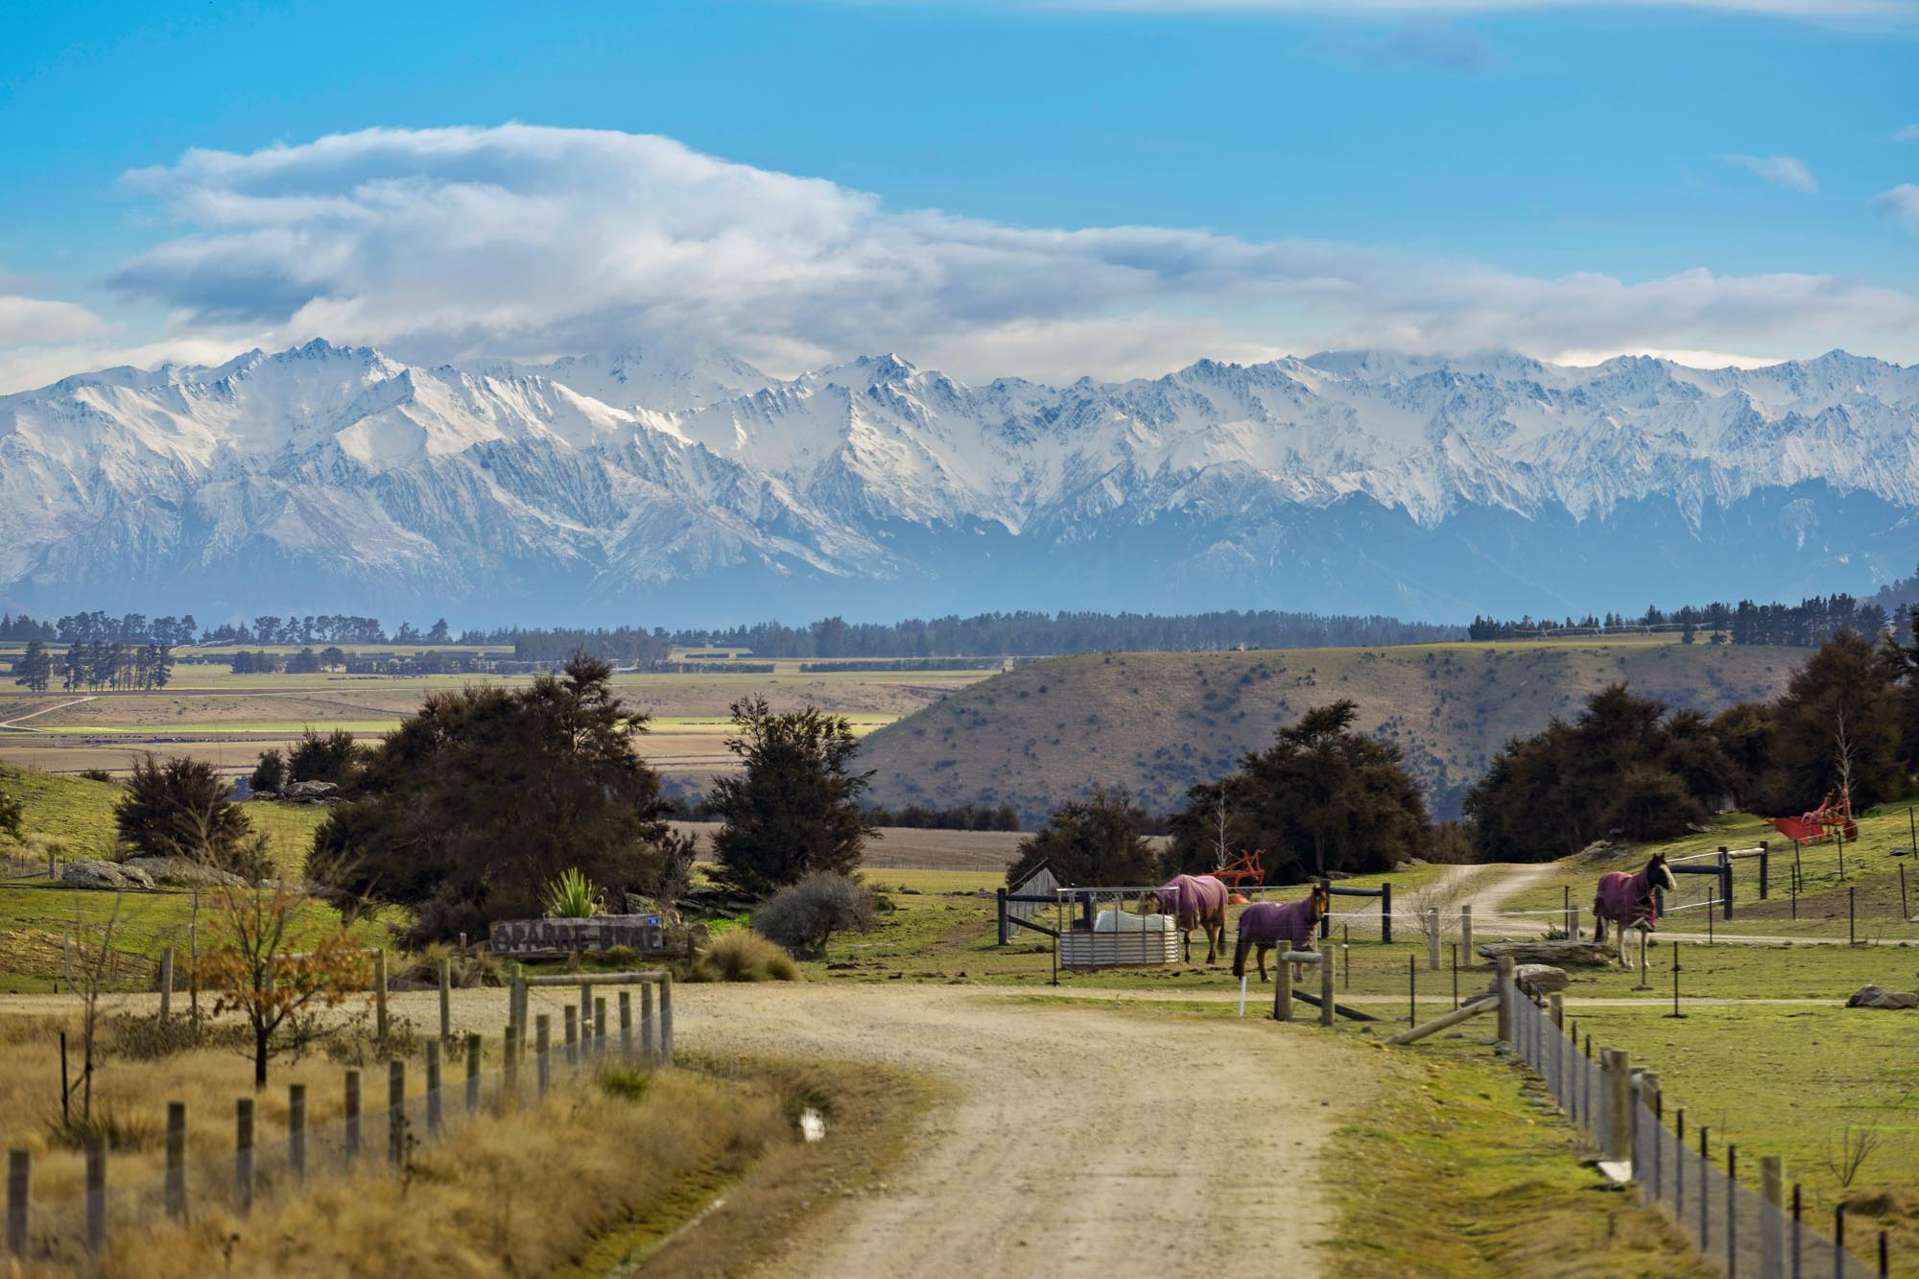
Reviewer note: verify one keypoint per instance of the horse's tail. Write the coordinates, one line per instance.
(1239, 956)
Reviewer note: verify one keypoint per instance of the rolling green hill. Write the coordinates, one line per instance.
(1155, 723)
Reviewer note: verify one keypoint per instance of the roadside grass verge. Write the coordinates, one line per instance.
(1457, 1169)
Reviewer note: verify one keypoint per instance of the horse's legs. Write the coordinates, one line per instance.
(1262, 962)
(1239, 958)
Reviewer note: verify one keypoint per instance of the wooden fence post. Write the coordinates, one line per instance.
(243, 1155)
(395, 1111)
(1432, 941)
(646, 1022)
(666, 1018)
(1466, 932)
(97, 1195)
(586, 1004)
(446, 999)
(1765, 870)
(472, 1071)
(1647, 1088)
(1386, 913)
(1772, 1235)
(176, 1179)
(510, 1068)
(1557, 1004)
(297, 1130)
(599, 1028)
(166, 983)
(1505, 980)
(352, 1116)
(1283, 992)
(1326, 990)
(543, 1050)
(626, 1023)
(433, 1087)
(1619, 1102)
(19, 1191)
(572, 1019)
(379, 993)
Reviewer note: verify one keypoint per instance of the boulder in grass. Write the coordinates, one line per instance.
(309, 792)
(181, 871)
(1558, 952)
(90, 872)
(1878, 997)
(1540, 979)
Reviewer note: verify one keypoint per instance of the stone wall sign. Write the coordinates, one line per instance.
(530, 938)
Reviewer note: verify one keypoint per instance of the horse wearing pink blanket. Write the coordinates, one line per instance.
(1197, 901)
(1628, 900)
(1291, 926)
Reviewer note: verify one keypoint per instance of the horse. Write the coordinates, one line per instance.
(1199, 901)
(1627, 900)
(1268, 924)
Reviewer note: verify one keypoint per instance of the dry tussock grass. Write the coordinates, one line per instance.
(519, 1193)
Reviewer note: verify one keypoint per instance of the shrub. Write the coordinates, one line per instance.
(270, 774)
(803, 916)
(794, 808)
(10, 811)
(324, 757)
(745, 956)
(571, 895)
(180, 808)
(98, 775)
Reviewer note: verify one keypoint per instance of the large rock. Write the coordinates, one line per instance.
(183, 871)
(309, 791)
(1558, 952)
(1540, 979)
(90, 872)
(1876, 997)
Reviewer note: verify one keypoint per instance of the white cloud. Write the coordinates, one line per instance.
(1908, 134)
(1780, 170)
(1902, 202)
(33, 321)
(518, 240)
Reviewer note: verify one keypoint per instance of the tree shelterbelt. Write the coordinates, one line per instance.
(1321, 798)
(487, 793)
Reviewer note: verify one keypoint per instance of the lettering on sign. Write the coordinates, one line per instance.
(643, 933)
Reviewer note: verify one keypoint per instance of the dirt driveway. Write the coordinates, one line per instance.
(1080, 1140)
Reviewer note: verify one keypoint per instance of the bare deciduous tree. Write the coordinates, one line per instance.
(1845, 1157)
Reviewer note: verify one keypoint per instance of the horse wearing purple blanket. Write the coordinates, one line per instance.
(1628, 901)
(1291, 926)
(1197, 901)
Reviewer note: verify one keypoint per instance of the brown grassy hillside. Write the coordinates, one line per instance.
(1155, 723)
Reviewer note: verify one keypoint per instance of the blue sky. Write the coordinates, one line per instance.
(1038, 189)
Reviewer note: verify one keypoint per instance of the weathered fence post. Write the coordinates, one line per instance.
(352, 1115)
(1648, 1087)
(626, 1023)
(1283, 992)
(1505, 980)
(1386, 913)
(1466, 932)
(472, 1071)
(1556, 1004)
(1772, 1235)
(395, 1111)
(517, 1005)
(433, 1087)
(166, 981)
(175, 1195)
(1432, 941)
(666, 1018)
(379, 993)
(1618, 1143)
(243, 1155)
(1000, 893)
(646, 1022)
(97, 1195)
(297, 1130)
(19, 1190)
(542, 1050)
(1765, 870)
(446, 999)
(599, 1028)
(510, 1068)
(1326, 990)
(586, 1004)
(572, 1016)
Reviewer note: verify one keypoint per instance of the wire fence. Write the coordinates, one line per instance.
(385, 1115)
(1761, 1233)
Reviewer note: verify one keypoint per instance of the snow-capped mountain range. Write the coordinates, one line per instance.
(688, 489)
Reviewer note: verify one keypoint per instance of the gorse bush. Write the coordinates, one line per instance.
(1089, 841)
(180, 807)
(802, 917)
(270, 774)
(11, 810)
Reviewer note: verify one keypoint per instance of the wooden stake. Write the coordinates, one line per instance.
(472, 1071)
(352, 1115)
(395, 1112)
(176, 1179)
(243, 1154)
(297, 1130)
(626, 1023)
(379, 994)
(166, 980)
(1282, 992)
(433, 1087)
(1326, 1008)
(19, 1193)
(446, 999)
(543, 1049)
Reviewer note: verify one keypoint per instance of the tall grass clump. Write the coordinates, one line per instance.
(743, 956)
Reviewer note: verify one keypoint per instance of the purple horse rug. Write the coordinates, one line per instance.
(1626, 899)
(1193, 898)
(1272, 924)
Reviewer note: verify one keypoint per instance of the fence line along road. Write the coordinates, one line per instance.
(448, 1094)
